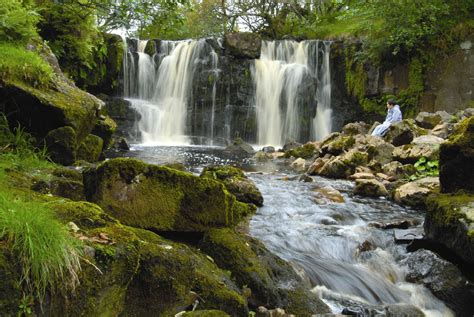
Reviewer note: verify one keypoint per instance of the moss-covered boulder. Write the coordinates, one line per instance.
(272, 281)
(450, 221)
(236, 183)
(403, 132)
(243, 44)
(160, 198)
(415, 193)
(172, 276)
(456, 159)
(338, 145)
(105, 129)
(305, 151)
(90, 149)
(370, 188)
(62, 144)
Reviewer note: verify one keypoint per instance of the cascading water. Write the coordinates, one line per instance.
(281, 73)
(162, 92)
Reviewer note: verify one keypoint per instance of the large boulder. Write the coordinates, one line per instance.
(429, 120)
(355, 128)
(411, 153)
(243, 44)
(403, 132)
(239, 148)
(415, 193)
(442, 278)
(121, 111)
(272, 281)
(396, 170)
(160, 198)
(456, 159)
(343, 166)
(450, 221)
(338, 144)
(305, 151)
(235, 182)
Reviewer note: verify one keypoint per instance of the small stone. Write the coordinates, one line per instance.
(306, 178)
(73, 227)
(330, 194)
(362, 176)
(298, 164)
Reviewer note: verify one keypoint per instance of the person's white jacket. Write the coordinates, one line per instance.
(393, 115)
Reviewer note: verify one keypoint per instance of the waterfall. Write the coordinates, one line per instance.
(160, 88)
(281, 77)
(322, 121)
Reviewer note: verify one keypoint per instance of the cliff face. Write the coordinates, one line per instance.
(226, 96)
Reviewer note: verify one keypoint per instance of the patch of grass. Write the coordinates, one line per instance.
(49, 256)
(19, 64)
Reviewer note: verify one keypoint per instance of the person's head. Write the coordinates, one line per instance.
(390, 103)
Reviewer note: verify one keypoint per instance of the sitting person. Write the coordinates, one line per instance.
(393, 115)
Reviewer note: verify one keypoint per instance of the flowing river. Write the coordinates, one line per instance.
(348, 259)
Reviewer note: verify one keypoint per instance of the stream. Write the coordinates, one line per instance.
(348, 259)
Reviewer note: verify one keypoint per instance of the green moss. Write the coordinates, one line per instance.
(20, 65)
(84, 214)
(158, 197)
(463, 135)
(105, 129)
(306, 151)
(90, 149)
(447, 208)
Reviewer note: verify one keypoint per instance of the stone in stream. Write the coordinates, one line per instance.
(442, 278)
(395, 224)
(404, 236)
(235, 182)
(328, 193)
(299, 165)
(239, 148)
(370, 188)
(159, 198)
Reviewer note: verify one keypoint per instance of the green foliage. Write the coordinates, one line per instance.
(48, 255)
(73, 37)
(425, 167)
(17, 22)
(19, 64)
(17, 149)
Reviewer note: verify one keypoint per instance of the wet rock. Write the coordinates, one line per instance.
(370, 188)
(272, 281)
(396, 224)
(268, 149)
(121, 111)
(105, 129)
(356, 176)
(429, 120)
(160, 198)
(262, 156)
(415, 193)
(456, 159)
(239, 148)
(329, 193)
(235, 182)
(61, 186)
(401, 133)
(306, 178)
(299, 165)
(442, 278)
(243, 44)
(365, 246)
(291, 146)
(396, 310)
(404, 236)
(450, 221)
(61, 144)
(355, 128)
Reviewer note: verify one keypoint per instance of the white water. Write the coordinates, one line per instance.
(283, 67)
(161, 93)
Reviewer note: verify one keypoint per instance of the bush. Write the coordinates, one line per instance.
(17, 22)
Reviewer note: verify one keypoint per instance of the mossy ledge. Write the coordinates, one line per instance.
(160, 198)
(450, 221)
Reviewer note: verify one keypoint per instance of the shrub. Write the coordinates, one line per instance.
(17, 22)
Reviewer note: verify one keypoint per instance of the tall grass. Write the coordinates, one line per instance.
(48, 255)
(46, 252)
